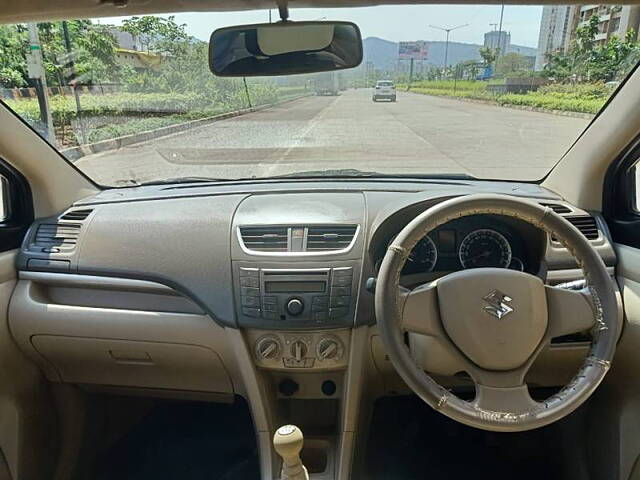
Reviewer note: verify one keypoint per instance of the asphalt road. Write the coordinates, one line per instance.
(417, 134)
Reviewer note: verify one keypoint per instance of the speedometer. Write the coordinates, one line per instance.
(424, 255)
(485, 248)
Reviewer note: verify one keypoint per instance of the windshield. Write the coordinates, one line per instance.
(482, 91)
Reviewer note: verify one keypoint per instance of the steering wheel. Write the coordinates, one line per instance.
(496, 321)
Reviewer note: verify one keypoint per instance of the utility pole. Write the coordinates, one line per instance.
(446, 44)
(500, 33)
(73, 79)
(410, 74)
(35, 67)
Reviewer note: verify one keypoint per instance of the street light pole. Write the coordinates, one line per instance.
(500, 32)
(446, 44)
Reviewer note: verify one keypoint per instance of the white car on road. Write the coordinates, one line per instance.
(384, 89)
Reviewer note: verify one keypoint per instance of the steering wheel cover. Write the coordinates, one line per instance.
(388, 309)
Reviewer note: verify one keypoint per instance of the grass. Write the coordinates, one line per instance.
(128, 113)
(585, 98)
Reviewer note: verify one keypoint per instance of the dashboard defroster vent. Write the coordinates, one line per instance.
(265, 239)
(57, 235)
(330, 237)
(77, 215)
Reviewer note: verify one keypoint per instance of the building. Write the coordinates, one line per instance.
(555, 29)
(498, 39)
(612, 20)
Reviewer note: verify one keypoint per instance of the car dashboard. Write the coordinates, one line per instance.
(180, 288)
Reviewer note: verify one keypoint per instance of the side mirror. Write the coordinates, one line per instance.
(284, 48)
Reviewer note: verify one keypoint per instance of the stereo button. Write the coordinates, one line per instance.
(250, 301)
(249, 282)
(251, 312)
(340, 301)
(341, 281)
(338, 312)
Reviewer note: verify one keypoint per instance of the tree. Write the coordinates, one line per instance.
(12, 60)
(512, 64)
(586, 60)
(488, 54)
(161, 35)
(92, 51)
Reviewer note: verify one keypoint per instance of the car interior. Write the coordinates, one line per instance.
(323, 327)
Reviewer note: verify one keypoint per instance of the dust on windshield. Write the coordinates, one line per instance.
(484, 91)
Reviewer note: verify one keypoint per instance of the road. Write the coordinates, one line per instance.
(417, 134)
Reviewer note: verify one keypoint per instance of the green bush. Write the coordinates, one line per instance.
(582, 98)
(154, 110)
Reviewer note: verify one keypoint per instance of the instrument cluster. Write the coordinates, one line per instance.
(471, 242)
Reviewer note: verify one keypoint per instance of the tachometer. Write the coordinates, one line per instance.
(485, 248)
(424, 255)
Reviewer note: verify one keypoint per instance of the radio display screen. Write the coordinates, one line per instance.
(294, 287)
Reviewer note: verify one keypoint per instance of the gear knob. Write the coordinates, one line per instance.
(287, 442)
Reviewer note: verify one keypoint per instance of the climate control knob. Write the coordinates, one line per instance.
(268, 348)
(329, 348)
(295, 306)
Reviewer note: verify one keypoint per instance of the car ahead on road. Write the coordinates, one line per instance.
(384, 90)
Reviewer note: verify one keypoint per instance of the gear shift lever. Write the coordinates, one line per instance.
(287, 441)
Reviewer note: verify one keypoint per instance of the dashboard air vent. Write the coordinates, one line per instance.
(587, 226)
(558, 208)
(76, 215)
(265, 239)
(57, 235)
(330, 237)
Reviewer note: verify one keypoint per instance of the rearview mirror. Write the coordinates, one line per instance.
(284, 48)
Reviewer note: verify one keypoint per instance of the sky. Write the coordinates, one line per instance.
(395, 23)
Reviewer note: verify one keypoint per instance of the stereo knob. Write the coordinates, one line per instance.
(329, 348)
(295, 306)
(268, 348)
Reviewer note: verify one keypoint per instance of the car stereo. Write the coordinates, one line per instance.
(293, 298)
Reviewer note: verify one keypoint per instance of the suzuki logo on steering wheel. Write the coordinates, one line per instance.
(498, 304)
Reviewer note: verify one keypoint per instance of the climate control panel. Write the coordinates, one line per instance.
(300, 350)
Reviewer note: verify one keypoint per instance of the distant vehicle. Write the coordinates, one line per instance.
(384, 89)
(326, 83)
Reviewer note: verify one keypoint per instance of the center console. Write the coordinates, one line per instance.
(276, 296)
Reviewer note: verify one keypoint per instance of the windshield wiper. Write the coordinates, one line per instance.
(353, 172)
(167, 181)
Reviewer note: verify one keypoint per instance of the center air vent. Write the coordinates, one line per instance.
(298, 239)
(76, 215)
(330, 237)
(265, 239)
(56, 235)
